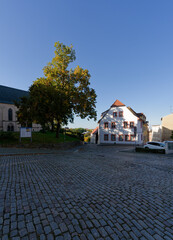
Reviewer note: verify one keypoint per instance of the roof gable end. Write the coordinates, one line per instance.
(117, 103)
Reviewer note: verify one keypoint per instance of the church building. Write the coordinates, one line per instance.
(8, 117)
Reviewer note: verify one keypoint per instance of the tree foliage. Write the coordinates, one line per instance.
(55, 98)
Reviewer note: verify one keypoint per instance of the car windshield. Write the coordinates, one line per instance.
(162, 144)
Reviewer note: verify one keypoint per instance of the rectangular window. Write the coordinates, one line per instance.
(141, 137)
(132, 138)
(132, 124)
(113, 125)
(106, 137)
(127, 138)
(113, 137)
(125, 124)
(114, 114)
(141, 124)
(121, 114)
(120, 137)
(105, 125)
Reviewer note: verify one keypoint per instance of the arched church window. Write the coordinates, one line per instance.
(10, 114)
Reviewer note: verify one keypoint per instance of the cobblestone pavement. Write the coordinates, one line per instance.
(87, 193)
(22, 151)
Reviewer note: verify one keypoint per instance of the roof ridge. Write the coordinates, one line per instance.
(117, 103)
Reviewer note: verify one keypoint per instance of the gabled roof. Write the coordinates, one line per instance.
(104, 113)
(139, 115)
(9, 95)
(117, 103)
(95, 130)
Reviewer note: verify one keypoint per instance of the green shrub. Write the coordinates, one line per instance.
(6, 135)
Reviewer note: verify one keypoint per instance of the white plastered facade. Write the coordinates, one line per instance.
(128, 117)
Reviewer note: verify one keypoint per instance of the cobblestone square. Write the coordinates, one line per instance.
(91, 192)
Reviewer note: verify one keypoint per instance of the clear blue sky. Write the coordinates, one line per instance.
(127, 45)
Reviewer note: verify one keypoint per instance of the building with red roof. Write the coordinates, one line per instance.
(121, 125)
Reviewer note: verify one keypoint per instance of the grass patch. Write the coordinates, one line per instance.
(37, 138)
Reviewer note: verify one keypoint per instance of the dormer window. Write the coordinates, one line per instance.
(121, 114)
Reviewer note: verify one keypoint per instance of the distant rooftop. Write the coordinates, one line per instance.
(9, 95)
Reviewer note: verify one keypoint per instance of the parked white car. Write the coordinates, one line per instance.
(154, 145)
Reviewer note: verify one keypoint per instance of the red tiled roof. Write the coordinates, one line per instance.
(95, 130)
(117, 103)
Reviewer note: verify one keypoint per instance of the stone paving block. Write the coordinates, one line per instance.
(47, 230)
(5, 237)
(6, 229)
(32, 236)
(42, 237)
(95, 233)
(150, 231)
(83, 237)
(67, 236)
(109, 230)
(50, 237)
(13, 233)
(21, 224)
(39, 229)
(90, 236)
(71, 228)
(23, 232)
(102, 222)
(89, 224)
(30, 227)
(75, 238)
(75, 221)
(167, 238)
(45, 222)
(158, 232)
(168, 234)
(25, 238)
(102, 232)
(147, 235)
(157, 237)
(63, 227)
(78, 229)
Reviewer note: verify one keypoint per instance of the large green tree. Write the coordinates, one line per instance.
(62, 93)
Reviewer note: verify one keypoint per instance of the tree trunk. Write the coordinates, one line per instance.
(43, 128)
(53, 128)
(57, 130)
